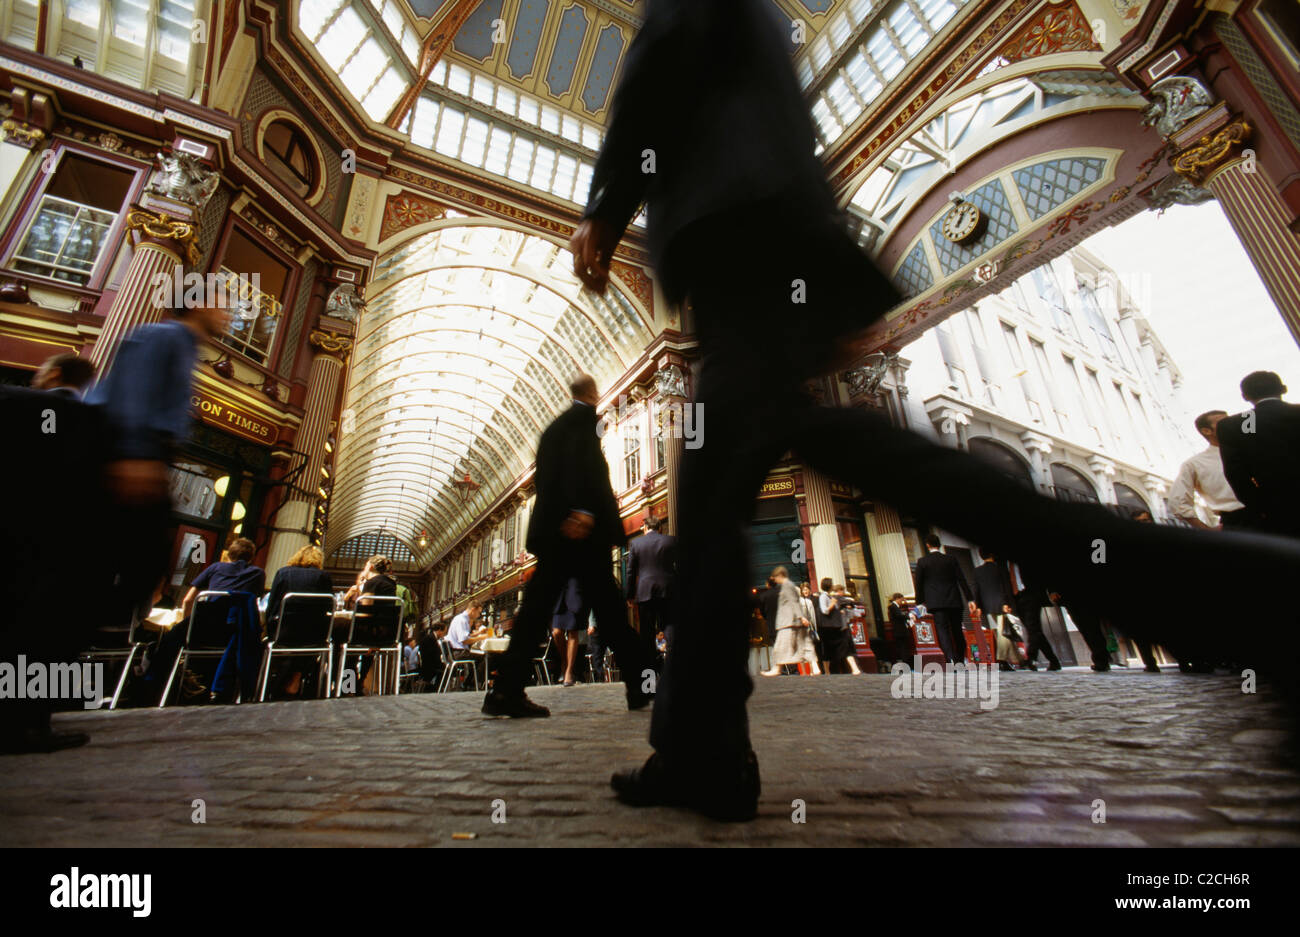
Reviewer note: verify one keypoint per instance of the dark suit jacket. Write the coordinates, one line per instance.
(709, 93)
(651, 567)
(992, 588)
(1263, 467)
(940, 582)
(295, 579)
(572, 475)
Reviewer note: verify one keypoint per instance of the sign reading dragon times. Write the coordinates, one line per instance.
(222, 413)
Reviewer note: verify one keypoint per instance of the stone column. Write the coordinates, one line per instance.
(824, 536)
(1103, 472)
(672, 404)
(1039, 448)
(166, 244)
(323, 383)
(1213, 152)
(950, 419)
(1155, 488)
(888, 553)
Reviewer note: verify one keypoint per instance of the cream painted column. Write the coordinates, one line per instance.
(323, 383)
(1103, 473)
(672, 403)
(1156, 491)
(166, 244)
(824, 536)
(1039, 448)
(888, 553)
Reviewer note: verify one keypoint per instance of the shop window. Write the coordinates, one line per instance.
(69, 231)
(632, 452)
(289, 155)
(262, 283)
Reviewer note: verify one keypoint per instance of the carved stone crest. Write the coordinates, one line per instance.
(671, 381)
(1176, 190)
(866, 379)
(182, 177)
(1177, 100)
(344, 303)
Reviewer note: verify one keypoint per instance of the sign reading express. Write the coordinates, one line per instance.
(221, 413)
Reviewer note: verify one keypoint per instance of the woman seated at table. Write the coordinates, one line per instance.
(375, 579)
(303, 573)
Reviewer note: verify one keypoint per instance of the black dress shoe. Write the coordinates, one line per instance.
(41, 742)
(1028, 666)
(727, 796)
(1101, 668)
(516, 707)
(638, 700)
(1003, 665)
(1056, 666)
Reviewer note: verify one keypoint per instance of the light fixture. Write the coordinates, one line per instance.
(329, 443)
(220, 485)
(238, 511)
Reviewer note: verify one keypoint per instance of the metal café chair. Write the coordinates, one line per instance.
(126, 655)
(207, 635)
(303, 628)
(376, 629)
(540, 668)
(450, 664)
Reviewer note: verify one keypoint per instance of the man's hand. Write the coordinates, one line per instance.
(591, 246)
(577, 526)
(137, 482)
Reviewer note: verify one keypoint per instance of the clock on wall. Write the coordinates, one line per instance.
(964, 223)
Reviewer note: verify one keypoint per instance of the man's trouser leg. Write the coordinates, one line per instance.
(529, 628)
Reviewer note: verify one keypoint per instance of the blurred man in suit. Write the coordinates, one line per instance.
(941, 587)
(67, 373)
(574, 525)
(992, 592)
(710, 128)
(1029, 598)
(1261, 455)
(651, 581)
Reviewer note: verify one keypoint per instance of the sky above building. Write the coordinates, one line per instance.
(1192, 278)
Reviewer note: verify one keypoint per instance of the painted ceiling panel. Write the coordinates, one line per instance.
(568, 46)
(527, 36)
(601, 75)
(475, 38)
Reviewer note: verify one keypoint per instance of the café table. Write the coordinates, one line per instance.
(485, 648)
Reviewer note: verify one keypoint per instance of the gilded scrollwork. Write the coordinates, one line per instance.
(331, 343)
(1212, 151)
(163, 227)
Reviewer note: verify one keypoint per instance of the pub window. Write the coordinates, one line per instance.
(261, 281)
(69, 230)
(632, 452)
(290, 156)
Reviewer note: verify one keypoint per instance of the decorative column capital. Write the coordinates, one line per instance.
(331, 344)
(1101, 466)
(1036, 443)
(1213, 151)
(1154, 485)
(173, 233)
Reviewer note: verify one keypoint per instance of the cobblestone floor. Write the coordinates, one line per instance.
(1178, 760)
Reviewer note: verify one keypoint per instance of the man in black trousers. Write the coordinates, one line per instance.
(651, 571)
(710, 128)
(1261, 455)
(574, 525)
(941, 587)
(1029, 598)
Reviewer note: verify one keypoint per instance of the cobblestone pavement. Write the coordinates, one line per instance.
(1178, 760)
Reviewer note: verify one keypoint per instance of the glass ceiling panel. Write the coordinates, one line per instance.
(464, 354)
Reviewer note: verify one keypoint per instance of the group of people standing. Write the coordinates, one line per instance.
(806, 629)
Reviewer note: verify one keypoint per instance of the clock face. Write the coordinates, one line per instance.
(962, 223)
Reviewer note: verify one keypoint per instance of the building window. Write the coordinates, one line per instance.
(632, 451)
(1050, 292)
(263, 281)
(290, 156)
(1097, 322)
(511, 532)
(69, 231)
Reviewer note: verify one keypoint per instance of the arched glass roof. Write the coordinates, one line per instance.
(470, 337)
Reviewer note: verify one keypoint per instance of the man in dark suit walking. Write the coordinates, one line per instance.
(1261, 455)
(1029, 598)
(651, 580)
(710, 128)
(941, 587)
(574, 525)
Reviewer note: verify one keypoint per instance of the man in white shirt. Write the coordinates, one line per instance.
(1203, 474)
(462, 629)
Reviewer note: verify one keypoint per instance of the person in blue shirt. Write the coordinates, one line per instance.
(145, 397)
